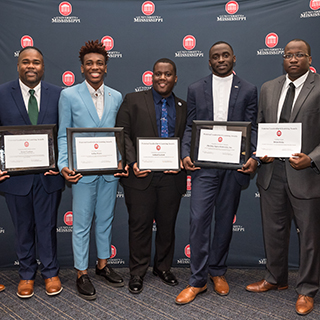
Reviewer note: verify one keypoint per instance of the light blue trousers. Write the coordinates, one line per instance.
(92, 200)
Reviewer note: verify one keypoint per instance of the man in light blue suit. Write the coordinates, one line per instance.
(90, 104)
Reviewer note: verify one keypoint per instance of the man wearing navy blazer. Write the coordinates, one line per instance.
(221, 96)
(90, 104)
(289, 188)
(150, 195)
(32, 199)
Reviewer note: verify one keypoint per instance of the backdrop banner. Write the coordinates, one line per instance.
(136, 34)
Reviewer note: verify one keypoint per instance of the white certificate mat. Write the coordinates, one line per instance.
(158, 154)
(96, 152)
(26, 151)
(219, 146)
(278, 139)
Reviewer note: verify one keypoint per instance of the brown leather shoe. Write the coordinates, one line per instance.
(221, 286)
(25, 289)
(2, 287)
(189, 293)
(53, 286)
(263, 286)
(304, 305)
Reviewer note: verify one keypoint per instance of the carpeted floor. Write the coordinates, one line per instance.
(155, 302)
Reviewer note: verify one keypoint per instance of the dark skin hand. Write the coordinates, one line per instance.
(70, 175)
(298, 161)
(249, 167)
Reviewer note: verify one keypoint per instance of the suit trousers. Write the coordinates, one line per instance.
(92, 200)
(278, 207)
(35, 221)
(212, 189)
(160, 201)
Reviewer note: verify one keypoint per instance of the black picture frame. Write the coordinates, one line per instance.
(245, 149)
(117, 132)
(50, 130)
(162, 140)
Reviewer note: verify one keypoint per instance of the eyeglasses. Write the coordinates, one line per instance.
(296, 55)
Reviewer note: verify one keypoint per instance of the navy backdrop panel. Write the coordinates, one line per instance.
(137, 33)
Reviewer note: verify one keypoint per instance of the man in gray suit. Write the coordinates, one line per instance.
(289, 188)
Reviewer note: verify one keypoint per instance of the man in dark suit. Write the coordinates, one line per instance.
(152, 195)
(32, 199)
(290, 187)
(221, 96)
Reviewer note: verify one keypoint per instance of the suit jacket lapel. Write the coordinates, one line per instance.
(106, 107)
(208, 96)
(179, 110)
(151, 111)
(87, 100)
(307, 87)
(275, 100)
(235, 88)
(43, 102)
(17, 97)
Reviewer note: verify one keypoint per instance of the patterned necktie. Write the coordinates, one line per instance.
(164, 119)
(33, 108)
(287, 105)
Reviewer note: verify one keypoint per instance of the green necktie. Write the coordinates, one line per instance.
(33, 108)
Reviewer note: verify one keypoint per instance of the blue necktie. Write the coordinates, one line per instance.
(164, 119)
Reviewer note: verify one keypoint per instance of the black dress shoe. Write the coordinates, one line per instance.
(113, 279)
(85, 288)
(166, 276)
(135, 284)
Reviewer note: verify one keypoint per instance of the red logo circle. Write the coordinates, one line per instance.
(314, 4)
(96, 146)
(26, 41)
(313, 69)
(26, 144)
(220, 139)
(148, 8)
(158, 147)
(113, 251)
(189, 42)
(68, 218)
(65, 8)
(279, 133)
(271, 40)
(188, 183)
(147, 78)
(187, 251)
(68, 78)
(232, 7)
(108, 42)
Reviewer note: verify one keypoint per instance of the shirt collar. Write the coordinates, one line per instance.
(26, 89)
(157, 97)
(222, 79)
(298, 82)
(92, 91)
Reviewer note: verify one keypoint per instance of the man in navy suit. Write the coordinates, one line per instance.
(221, 96)
(32, 199)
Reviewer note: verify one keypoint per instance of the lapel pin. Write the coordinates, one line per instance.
(179, 104)
(109, 93)
(236, 87)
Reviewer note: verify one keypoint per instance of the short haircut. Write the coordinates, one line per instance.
(93, 47)
(30, 47)
(306, 43)
(221, 42)
(166, 60)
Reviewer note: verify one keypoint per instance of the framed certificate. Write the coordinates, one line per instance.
(94, 151)
(158, 154)
(28, 149)
(220, 144)
(279, 140)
